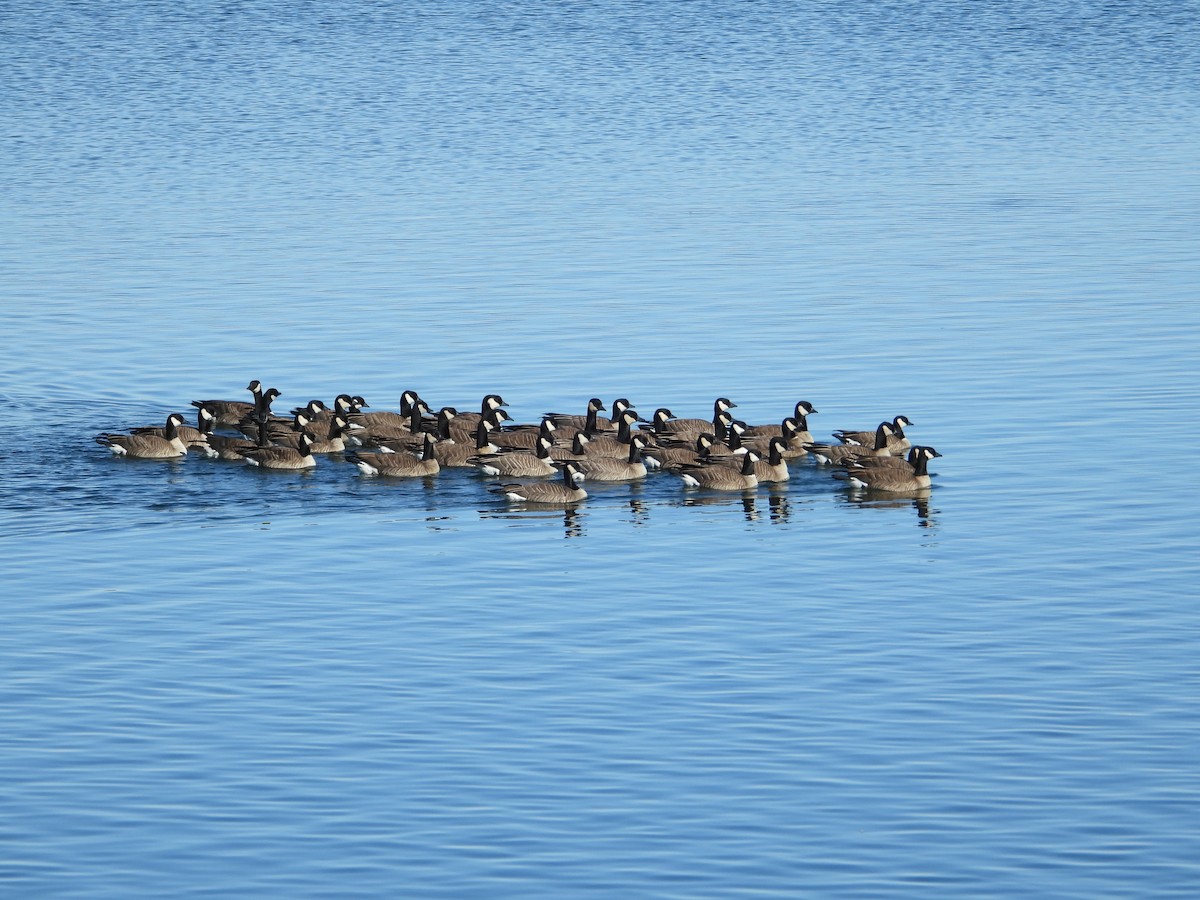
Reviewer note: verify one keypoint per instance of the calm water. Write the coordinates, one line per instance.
(221, 682)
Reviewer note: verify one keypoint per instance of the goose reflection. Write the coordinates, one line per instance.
(918, 501)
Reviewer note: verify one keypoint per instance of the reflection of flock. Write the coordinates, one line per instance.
(549, 459)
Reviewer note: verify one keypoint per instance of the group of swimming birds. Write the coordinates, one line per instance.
(723, 453)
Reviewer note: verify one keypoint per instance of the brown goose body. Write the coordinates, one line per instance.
(906, 478)
(770, 469)
(399, 465)
(591, 423)
(832, 454)
(282, 457)
(616, 446)
(520, 463)
(721, 477)
(673, 457)
(800, 413)
(609, 468)
(193, 438)
(691, 427)
(230, 412)
(562, 492)
(896, 439)
(167, 445)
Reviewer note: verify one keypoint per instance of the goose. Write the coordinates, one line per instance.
(283, 457)
(616, 446)
(403, 440)
(590, 423)
(334, 443)
(697, 426)
(372, 429)
(464, 425)
(827, 454)
(912, 475)
(230, 412)
(518, 462)
(411, 409)
(673, 457)
(609, 469)
(321, 416)
(794, 434)
(274, 428)
(491, 403)
(231, 449)
(454, 454)
(732, 444)
(577, 450)
(903, 463)
(719, 477)
(663, 426)
(526, 436)
(167, 445)
(399, 465)
(802, 411)
(194, 438)
(769, 470)
(896, 441)
(559, 493)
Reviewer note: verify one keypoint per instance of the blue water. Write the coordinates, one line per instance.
(221, 682)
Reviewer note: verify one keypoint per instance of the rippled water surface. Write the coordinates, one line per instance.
(224, 682)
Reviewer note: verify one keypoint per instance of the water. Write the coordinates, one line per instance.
(236, 683)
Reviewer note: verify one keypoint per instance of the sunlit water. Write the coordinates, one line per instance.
(222, 682)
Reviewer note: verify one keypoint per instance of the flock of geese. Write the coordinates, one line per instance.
(549, 460)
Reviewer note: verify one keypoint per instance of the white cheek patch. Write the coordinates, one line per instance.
(689, 480)
(513, 495)
(489, 470)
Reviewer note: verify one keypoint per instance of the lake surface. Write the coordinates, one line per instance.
(224, 682)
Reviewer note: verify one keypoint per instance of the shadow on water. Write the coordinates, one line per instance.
(918, 501)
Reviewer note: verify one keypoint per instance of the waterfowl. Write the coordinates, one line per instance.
(373, 430)
(464, 425)
(697, 426)
(835, 453)
(274, 457)
(800, 413)
(794, 435)
(892, 462)
(230, 412)
(720, 477)
(458, 454)
(576, 451)
(663, 427)
(521, 463)
(399, 465)
(334, 443)
(896, 440)
(409, 418)
(591, 423)
(672, 457)
(559, 493)
(396, 440)
(612, 469)
(587, 422)
(167, 445)
(616, 446)
(525, 437)
(911, 476)
(773, 468)
(491, 403)
(320, 416)
(193, 438)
